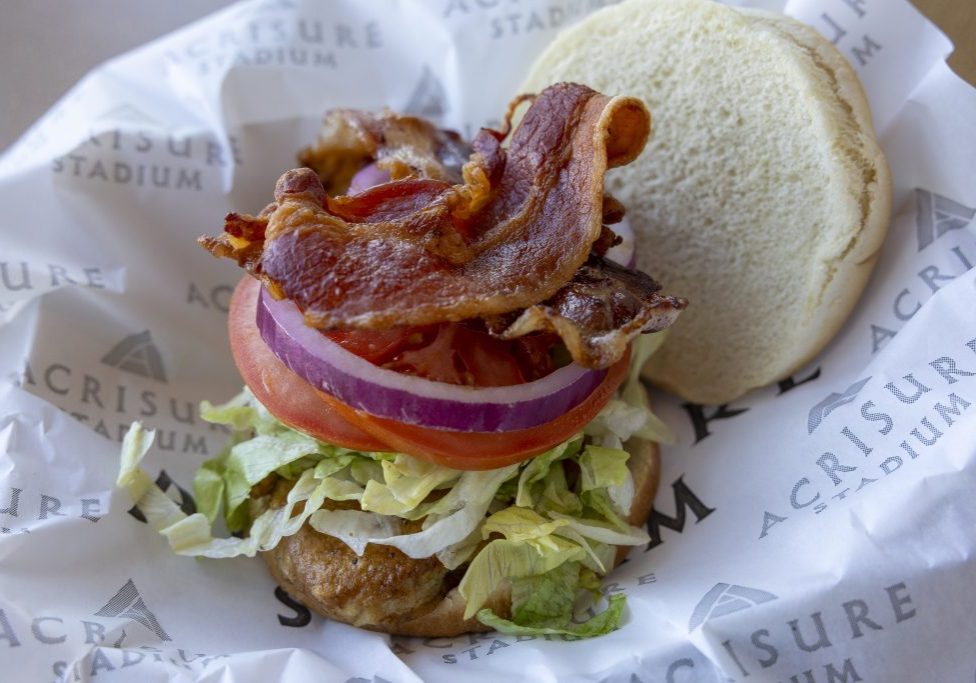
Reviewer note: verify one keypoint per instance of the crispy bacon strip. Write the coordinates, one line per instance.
(405, 146)
(596, 313)
(512, 235)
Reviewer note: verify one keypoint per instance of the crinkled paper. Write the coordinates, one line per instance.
(819, 530)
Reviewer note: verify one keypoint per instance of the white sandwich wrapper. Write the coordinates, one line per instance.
(820, 530)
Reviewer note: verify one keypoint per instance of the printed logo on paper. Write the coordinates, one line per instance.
(724, 598)
(937, 215)
(832, 402)
(137, 354)
(128, 604)
(275, 33)
(428, 98)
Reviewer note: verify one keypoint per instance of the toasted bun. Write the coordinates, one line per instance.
(384, 590)
(762, 196)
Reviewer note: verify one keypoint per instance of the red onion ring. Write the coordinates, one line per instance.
(414, 400)
(366, 177)
(624, 253)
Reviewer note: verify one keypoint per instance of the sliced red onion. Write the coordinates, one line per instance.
(414, 400)
(366, 177)
(624, 253)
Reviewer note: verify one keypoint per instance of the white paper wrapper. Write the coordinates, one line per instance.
(821, 530)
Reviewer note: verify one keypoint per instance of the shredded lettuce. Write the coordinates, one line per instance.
(629, 414)
(406, 484)
(355, 528)
(242, 413)
(209, 487)
(556, 495)
(548, 534)
(600, 502)
(606, 468)
(455, 555)
(539, 467)
(520, 525)
(251, 461)
(599, 556)
(654, 429)
(532, 549)
(505, 559)
(601, 467)
(603, 532)
(546, 604)
(449, 521)
(191, 534)
(599, 625)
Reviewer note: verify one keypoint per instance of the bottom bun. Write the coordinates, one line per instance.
(384, 590)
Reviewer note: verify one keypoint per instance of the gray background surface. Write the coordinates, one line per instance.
(47, 45)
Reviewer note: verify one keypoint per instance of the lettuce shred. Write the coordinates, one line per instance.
(550, 538)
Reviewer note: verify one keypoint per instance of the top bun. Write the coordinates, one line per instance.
(762, 196)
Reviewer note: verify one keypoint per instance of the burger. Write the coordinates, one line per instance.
(443, 428)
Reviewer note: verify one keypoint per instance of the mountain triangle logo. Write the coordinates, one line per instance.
(832, 402)
(139, 355)
(428, 98)
(937, 215)
(724, 598)
(128, 604)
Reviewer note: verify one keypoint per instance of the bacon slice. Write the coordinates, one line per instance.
(596, 313)
(510, 236)
(404, 146)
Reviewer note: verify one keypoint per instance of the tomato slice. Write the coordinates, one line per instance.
(457, 354)
(376, 346)
(298, 404)
(483, 450)
(286, 395)
(452, 352)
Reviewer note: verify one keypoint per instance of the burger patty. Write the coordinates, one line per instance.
(380, 587)
(384, 589)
